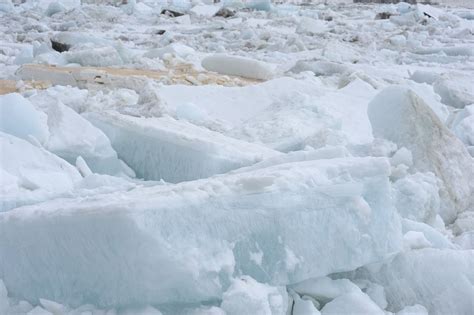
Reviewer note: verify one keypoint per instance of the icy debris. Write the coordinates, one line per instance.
(398, 40)
(139, 235)
(429, 11)
(416, 309)
(311, 26)
(423, 76)
(53, 8)
(455, 89)
(415, 240)
(25, 55)
(432, 235)
(465, 240)
(97, 57)
(261, 5)
(399, 115)
(30, 174)
(72, 39)
(464, 223)
(205, 10)
(239, 66)
(402, 156)
(6, 6)
(303, 306)
(247, 296)
(324, 289)
(164, 148)
(352, 303)
(82, 167)
(462, 124)
(375, 291)
(53, 307)
(175, 49)
(21, 119)
(320, 67)
(441, 280)
(417, 196)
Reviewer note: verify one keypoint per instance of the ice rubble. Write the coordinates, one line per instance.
(440, 280)
(399, 115)
(325, 118)
(225, 219)
(173, 150)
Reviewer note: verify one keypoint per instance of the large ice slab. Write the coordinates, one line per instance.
(172, 150)
(181, 243)
(400, 115)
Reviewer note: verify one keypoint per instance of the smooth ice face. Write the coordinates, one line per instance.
(181, 243)
(175, 151)
(30, 174)
(440, 280)
(399, 115)
(21, 119)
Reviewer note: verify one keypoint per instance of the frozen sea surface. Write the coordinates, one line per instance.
(245, 157)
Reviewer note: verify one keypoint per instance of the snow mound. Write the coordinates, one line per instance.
(181, 243)
(172, 150)
(239, 66)
(399, 115)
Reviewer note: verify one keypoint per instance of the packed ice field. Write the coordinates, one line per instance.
(237, 158)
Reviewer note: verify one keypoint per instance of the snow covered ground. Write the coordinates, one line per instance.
(245, 157)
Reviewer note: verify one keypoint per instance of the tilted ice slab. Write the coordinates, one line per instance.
(60, 130)
(172, 150)
(31, 174)
(181, 243)
(400, 115)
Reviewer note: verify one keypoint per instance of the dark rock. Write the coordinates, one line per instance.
(171, 13)
(59, 47)
(225, 13)
(383, 16)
